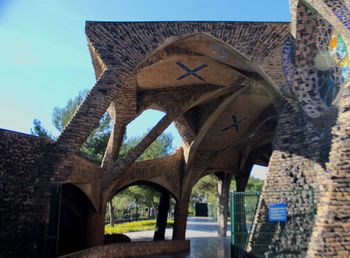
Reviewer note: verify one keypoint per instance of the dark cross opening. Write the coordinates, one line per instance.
(191, 72)
(235, 123)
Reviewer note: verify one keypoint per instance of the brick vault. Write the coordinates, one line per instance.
(240, 93)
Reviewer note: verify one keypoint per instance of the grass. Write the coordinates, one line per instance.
(134, 226)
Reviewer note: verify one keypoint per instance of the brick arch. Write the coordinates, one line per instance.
(164, 171)
(152, 183)
(116, 55)
(85, 175)
(156, 181)
(75, 210)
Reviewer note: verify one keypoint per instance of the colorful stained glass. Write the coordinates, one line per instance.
(330, 80)
(344, 73)
(341, 48)
(333, 43)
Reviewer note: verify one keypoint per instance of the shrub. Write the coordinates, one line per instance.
(134, 226)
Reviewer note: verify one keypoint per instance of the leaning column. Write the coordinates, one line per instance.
(223, 182)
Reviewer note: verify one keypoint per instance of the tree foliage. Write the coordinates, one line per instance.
(39, 130)
(255, 185)
(62, 115)
(95, 145)
(205, 191)
(161, 147)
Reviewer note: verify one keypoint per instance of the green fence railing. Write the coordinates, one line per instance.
(271, 223)
(243, 209)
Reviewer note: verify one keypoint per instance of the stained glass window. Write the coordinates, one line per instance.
(337, 58)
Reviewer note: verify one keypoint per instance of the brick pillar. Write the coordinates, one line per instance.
(163, 209)
(95, 229)
(223, 182)
(181, 210)
(111, 212)
(114, 143)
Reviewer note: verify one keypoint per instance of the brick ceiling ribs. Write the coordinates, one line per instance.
(203, 74)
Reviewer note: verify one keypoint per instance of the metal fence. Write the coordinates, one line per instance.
(272, 223)
(213, 210)
(135, 214)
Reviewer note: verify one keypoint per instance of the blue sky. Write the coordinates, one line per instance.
(44, 59)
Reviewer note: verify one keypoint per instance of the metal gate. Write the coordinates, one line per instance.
(271, 223)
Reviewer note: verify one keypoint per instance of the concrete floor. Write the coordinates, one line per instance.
(204, 240)
(197, 227)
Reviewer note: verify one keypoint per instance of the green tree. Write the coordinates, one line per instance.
(94, 147)
(39, 130)
(205, 190)
(255, 185)
(62, 115)
(161, 147)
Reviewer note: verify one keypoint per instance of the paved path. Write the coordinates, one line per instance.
(204, 240)
(197, 227)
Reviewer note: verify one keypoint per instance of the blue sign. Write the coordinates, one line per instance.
(277, 212)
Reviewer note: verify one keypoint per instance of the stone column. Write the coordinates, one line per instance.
(95, 229)
(181, 210)
(331, 232)
(163, 208)
(114, 143)
(223, 182)
(111, 213)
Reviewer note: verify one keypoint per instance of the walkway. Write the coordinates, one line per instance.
(197, 227)
(204, 241)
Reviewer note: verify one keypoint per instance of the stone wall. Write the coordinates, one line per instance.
(297, 165)
(331, 234)
(302, 156)
(24, 191)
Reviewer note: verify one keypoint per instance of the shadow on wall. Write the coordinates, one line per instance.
(75, 209)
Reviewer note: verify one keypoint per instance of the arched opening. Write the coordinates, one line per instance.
(141, 210)
(147, 120)
(74, 214)
(202, 210)
(205, 200)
